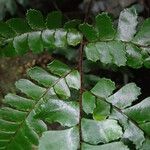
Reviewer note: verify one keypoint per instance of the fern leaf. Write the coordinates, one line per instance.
(105, 27)
(20, 126)
(95, 132)
(89, 31)
(35, 19)
(133, 118)
(114, 117)
(35, 34)
(113, 145)
(123, 49)
(88, 102)
(68, 140)
(142, 37)
(54, 20)
(127, 24)
(72, 24)
(55, 110)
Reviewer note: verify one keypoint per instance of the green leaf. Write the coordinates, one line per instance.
(8, 126)
(35, 42)
(20, 126)
(73, 80)
(21, 121)
(88, 31)
(109, 146)
(19, 102)
(102, 110)
(48, 38)
(30, 89)
(31, 34)
(60, 38)
(35, 19)
(62, 89)
(38, 40)
(147, 62)
(95, 132)
(58, 68)
(91, 52)
(9, 50)
(38, 125)
(125, 96)
(134, 56)
(42, 76)
(134, 134)
(145, 127)
(20, 44)
(105, 27)
(74, 37)
(5, 30)
(135, 123)
(68, 140)
(103, 88)
(131, 131)
(146, 145)
(139, 112)
(50, 94)
(19, 25)
(54, 20)
(32, 135)
(127, 24)
(26, 136)
(66, 113)
(105, 52)
(11, 114)
(143, 35)
(72, 24)
(88, 102)
(112, 52)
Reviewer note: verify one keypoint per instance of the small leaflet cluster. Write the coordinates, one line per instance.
(124, 46)
(18, 35)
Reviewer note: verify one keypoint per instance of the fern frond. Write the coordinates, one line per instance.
(114, 117)
(20, 35)
(123, 46)
(133, 118)
(19, 126)
(109, 119)
(112, 121)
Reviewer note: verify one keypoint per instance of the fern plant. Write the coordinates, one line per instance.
(102, 117)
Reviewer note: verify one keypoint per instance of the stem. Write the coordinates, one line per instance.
(80, 65)
(81, 88)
